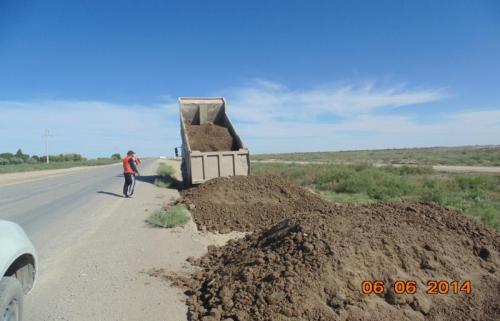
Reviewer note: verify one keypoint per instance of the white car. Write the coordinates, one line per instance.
(18, 270)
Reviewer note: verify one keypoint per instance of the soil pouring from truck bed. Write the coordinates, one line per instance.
(247, 203)
(209, 137)
(311, 267)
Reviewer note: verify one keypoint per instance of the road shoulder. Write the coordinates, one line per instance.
(105, 276)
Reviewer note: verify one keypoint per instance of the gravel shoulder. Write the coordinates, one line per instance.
(104, 276)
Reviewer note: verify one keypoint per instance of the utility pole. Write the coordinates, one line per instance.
(46, 136)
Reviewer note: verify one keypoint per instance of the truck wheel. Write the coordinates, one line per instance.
(11, 299)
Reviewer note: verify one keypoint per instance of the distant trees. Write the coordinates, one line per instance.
(6, 155)
(16, 160)
(66, 158)
(20, 155)
(116, 156)
(21, 158)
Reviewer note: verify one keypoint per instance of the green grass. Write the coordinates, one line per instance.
(166, 176)
(165, 170)
(176, 215)
(475, 195)
(466, 155)
(14, 168)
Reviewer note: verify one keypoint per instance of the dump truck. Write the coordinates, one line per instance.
(198, 166)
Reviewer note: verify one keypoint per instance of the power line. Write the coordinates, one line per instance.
(46, 136)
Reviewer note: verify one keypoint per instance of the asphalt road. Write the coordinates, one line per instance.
(57, 210)
(95, 247)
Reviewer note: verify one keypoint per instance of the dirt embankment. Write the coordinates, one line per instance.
(307, 258)
(209, 137)
(247, 203)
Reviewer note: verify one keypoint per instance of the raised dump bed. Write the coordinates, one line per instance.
(210, 145)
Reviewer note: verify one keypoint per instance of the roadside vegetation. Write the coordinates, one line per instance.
(466, 155)
(166, 176)
(20, 162)
(175, 215)
(475, 195)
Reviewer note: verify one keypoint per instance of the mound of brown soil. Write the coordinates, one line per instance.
(209, 138)
(248, 203)
(311, 267)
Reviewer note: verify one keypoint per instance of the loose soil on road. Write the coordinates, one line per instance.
(307, 258)
(209, 137)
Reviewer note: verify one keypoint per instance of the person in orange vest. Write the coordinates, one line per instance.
(129, 171)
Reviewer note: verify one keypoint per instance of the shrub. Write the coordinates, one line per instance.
(6, 155)
(489, 215)
(176, 215)
(165, 170)
(412, 170)
(166, 176)
(16, 160)
(21, 155)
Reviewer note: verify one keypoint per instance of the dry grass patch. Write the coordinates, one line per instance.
(175, 215)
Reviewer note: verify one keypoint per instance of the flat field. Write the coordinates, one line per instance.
(476, 195)
(464, 155)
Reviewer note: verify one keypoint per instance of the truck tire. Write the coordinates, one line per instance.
(11, 299)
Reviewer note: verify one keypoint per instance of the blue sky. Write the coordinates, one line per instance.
(104, 76)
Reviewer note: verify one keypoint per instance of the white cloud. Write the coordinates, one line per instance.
(269, 116)
(370, 131)
(92, 128)
(268, 101)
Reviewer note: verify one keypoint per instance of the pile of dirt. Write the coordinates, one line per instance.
(209, 137)
(248, 203)
(311, 266)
